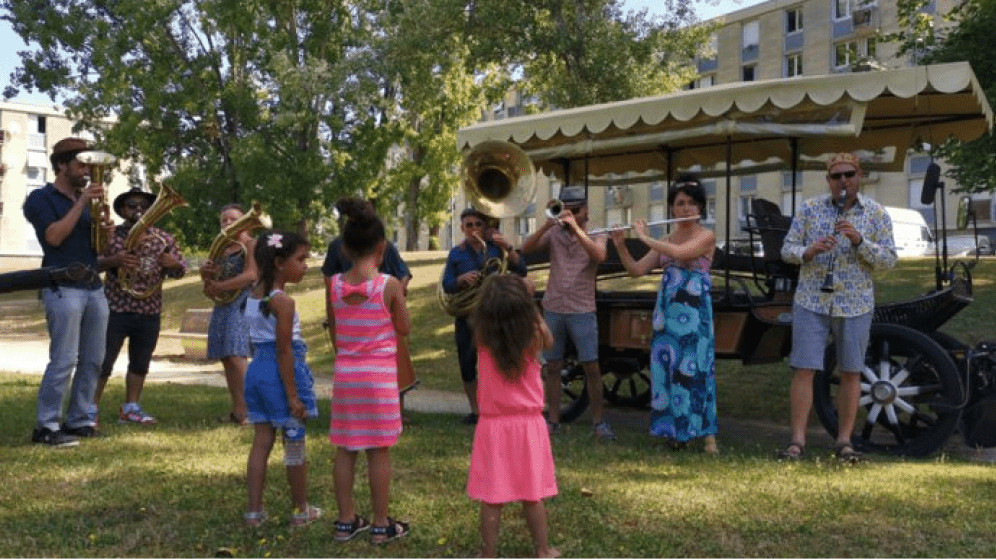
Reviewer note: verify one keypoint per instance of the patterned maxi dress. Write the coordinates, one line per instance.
(683, 353)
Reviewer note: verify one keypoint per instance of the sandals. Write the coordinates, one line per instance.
(254, 518)
(350, 530)
(394, 530)
(792, 452)
(307, 517)
(847, 454)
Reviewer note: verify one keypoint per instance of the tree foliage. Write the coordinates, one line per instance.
(974, 25)
(294, 103)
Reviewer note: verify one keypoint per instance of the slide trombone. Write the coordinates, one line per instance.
(657, 223)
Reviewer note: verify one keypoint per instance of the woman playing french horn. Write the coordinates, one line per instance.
(228, 334)
(136, 304)
(466, 265)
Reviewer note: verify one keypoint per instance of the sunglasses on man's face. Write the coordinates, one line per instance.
(473, 224)
(136, 205)
(843, 174)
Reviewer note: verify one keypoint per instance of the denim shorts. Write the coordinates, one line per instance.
(811, 332)
(583, 330)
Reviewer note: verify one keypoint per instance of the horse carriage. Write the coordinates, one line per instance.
(919, 385)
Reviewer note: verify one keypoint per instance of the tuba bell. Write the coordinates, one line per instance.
(499, 178)
(166, 201)
(253, 220)
(99, 211)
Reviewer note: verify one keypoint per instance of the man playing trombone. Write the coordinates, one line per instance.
(76, 311)
(569, 301)
(466, 265)
(839, 239)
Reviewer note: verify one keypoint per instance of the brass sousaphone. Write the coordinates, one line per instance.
(499, 180)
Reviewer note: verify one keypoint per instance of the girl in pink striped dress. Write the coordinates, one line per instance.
(367, 312)
(511, 460)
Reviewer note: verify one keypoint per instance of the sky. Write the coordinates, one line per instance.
(10, 43)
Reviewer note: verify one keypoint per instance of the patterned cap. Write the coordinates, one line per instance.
(844, 157)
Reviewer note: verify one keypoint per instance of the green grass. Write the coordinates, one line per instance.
(178, 490)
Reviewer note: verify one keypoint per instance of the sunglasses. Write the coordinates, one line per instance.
(473, 224)
(135, 205)
(838, 176)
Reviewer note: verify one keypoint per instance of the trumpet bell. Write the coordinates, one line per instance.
(499, 178)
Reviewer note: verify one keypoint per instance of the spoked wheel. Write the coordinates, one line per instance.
(910, 393)
(574, 390)
(625, 382)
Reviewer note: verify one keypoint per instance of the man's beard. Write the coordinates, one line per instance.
(79, 181)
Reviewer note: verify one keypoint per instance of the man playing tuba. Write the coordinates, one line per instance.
(465, 267)
(135, 298)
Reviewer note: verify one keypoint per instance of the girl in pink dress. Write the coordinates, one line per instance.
(511, 460)
(367, 312)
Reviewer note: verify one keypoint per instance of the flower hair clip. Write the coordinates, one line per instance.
(275, 240)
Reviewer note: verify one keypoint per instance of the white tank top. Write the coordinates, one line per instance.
(264, 328)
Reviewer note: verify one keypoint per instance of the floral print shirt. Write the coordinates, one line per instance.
(156, 242)
(854, 293)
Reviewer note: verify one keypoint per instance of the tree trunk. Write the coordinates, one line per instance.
(412, 220)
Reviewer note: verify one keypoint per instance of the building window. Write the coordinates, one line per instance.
(787, 180)
(656, 192)
(748, 73)
(849, 53)
(841, 9)
(751, 40)
(657, 213)
(710, 189)
(704, 82)
(793, 65)
(525, 225)
(36, 176)
(793, 19)
(617, 217)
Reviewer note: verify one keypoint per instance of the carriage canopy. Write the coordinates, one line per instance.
(757, 126)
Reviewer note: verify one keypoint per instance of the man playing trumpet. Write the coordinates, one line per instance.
(465, 266)
(569, 302)
(135, 308)
(76, 310)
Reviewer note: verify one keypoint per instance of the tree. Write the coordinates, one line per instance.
(231, 100)
(972, 163)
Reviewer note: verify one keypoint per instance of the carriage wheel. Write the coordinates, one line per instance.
(574, 390)
(910, 393)
(625, 382)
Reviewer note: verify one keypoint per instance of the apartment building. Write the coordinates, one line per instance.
(774, 40)
(27, 134)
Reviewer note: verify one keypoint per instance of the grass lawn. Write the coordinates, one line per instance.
(178, 489)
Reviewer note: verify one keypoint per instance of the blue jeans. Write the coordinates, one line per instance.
(77, 329)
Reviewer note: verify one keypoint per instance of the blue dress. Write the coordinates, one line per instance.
(228, 332)
(683, 354)
(266, 397)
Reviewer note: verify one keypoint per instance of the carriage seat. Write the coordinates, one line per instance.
(767, 221)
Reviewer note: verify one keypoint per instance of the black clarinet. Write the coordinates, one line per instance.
(827, 286)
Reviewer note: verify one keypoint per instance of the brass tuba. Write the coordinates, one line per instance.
(499, 178)
(251, 221)
(166, 201)
(99, 211)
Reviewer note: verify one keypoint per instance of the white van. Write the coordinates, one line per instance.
(911, 233)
